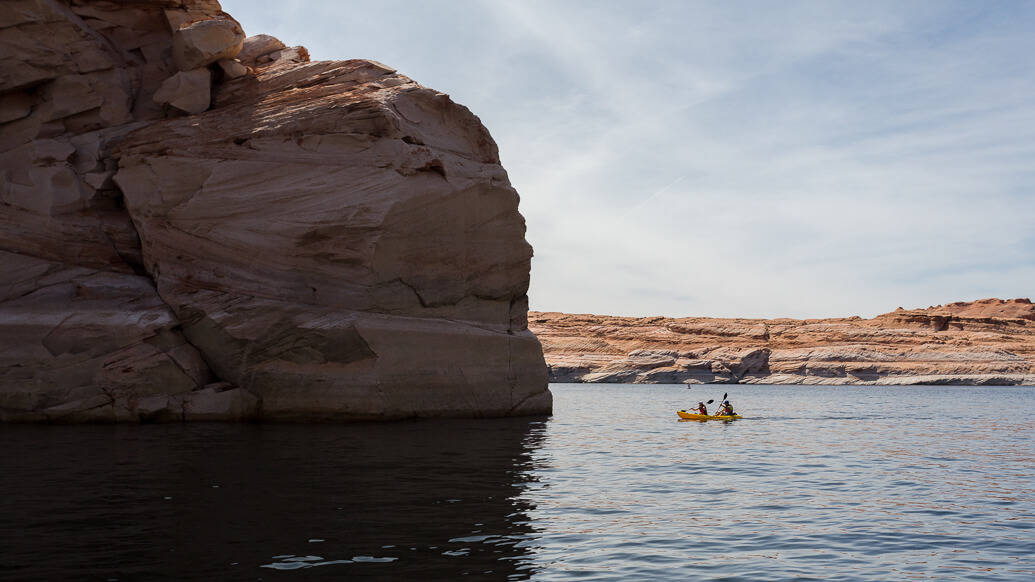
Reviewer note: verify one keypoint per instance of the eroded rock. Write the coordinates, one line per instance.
(331, 258)
(294, 54)
(14, 106)
(329, 241)
(232, 68)
(980, 342)
(255, 47)
(204, 42)
(74, 337)
(188, 91)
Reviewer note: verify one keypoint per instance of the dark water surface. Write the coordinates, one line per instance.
(939, 485)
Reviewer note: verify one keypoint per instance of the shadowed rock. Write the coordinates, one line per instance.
(188, 91)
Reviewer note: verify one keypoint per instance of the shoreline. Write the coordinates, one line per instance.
(979, 343)
(990, 380)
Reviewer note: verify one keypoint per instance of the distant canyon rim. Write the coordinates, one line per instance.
(985, 342)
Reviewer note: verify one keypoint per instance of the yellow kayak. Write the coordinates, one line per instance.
(693, 416)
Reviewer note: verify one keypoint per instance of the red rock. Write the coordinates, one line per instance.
(232, 68)
(255, 47)
(990, 341)
(204, 42)
(188, 91)
(332, 239)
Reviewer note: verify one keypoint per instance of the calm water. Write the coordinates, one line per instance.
(613, 486)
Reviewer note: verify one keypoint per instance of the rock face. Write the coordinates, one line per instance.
(983, 342)
(187, 236)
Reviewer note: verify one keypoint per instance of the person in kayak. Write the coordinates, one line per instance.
(701, 408)
(726, 409)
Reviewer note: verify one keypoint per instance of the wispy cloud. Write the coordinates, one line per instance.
(735, 158)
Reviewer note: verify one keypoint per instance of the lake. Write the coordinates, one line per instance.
(821, 483)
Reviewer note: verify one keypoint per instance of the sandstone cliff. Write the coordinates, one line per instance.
(199, 225)
(983, 342)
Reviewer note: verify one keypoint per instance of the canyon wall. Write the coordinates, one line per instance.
(982, 342)
(196, 224)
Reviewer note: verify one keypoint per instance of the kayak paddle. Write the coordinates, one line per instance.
(709, 402)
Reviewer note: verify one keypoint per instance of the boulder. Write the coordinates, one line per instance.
(188, 91)
(232, 68)
(294, 54)
(257, 46)
(204, 42)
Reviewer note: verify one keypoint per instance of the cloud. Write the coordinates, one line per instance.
(735, 158)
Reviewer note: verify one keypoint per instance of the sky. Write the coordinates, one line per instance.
(733, 159)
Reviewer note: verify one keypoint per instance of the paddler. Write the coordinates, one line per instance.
(726, 409)
(701, 408)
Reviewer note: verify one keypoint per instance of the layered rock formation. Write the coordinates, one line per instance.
(199, 225)
(983, 342)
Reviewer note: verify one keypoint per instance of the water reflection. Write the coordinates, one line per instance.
(817, 483)
(426, 499)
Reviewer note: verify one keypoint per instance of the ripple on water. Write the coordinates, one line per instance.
(787, 494)
(816, 487)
